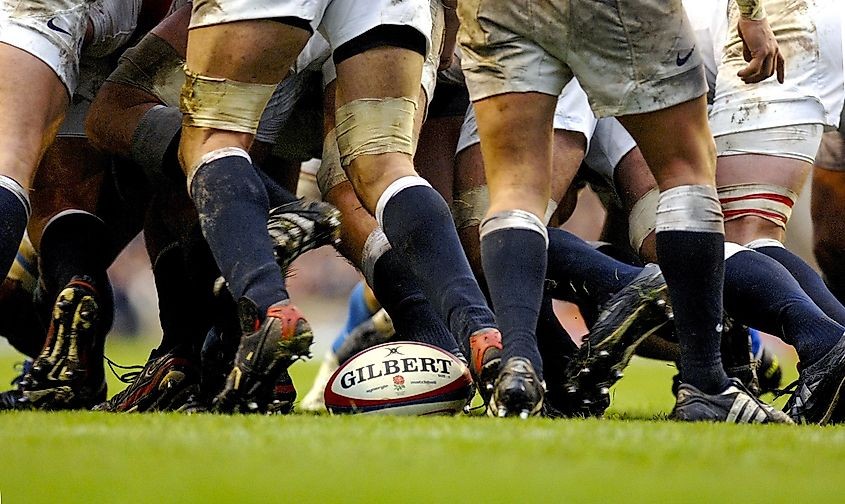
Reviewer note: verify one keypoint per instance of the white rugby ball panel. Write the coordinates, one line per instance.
(399, 378)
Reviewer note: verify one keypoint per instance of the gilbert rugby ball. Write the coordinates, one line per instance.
(399, 378)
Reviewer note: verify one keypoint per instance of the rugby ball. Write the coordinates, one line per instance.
(400, 378)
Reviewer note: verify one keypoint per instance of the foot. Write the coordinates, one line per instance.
(266, 350)
(13, 399)
(283, 396)
(817, 398)
(485, 360)
(68, 373)
(768, 371)
(300, 226)
(518, 391)
(164, 383)
(373, 331)
(635, 312)
(735, 404)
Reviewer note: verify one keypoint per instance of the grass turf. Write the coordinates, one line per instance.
(97, 457)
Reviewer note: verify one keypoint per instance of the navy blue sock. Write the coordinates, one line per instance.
(693, 265)
(420, 228)
(809, 280)
(581, 273)
(514, 255)
(78, 244)
(232, 204)
(14, 209)
(276, 194)
(761, 293)
(398, 291)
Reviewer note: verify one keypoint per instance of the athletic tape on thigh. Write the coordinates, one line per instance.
(766, 201)
(689, 208)
(375, 247)
(213, 156)
(470, 207)
(732, 248)
(643, 218)
(371, 126)
(223, 104)
(12, 186)
(154, 66)
(395, 188)
(330, 173)
(764, 242)
(514, 219)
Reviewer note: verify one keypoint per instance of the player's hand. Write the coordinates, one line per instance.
(450, 33)
(760, 50)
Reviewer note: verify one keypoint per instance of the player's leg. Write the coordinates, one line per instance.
(378, 90)
(828, 202)
(241, 62)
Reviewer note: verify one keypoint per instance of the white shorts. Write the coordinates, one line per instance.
(572, 113)
(432, 60)
(810, 39)
(338, 20)
(610, 143)
(630, 56)
(50, 30)
(800, 142)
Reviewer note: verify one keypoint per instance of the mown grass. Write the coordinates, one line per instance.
(631, 457)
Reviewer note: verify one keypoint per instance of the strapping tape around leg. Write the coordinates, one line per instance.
(766, 201)
(395, 188)
(693, 208)
(223, 104)
(12, 186)
(514, 219)
(152, 138)
(764, 242)
(732, 248)
(470, 207)
(213, 156)
(643, 218)
(375, 247)
(371, 126)
(331, 173)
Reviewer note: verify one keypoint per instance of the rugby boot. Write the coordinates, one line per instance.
(266, 350)
(817, 394)
(300, 226)
(768, 370)
(68, 373)
(635, 312)
(735, 404)
(374, 331)
(518, 391)
(164, 383)
(283, 395)
(485, 348)
(13, 399)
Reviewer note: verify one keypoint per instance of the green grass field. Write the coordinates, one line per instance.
(633, 456)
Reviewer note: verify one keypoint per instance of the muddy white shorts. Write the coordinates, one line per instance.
(630, 56)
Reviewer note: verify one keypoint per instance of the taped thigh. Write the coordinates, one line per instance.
(372, 126)
(766, 201)
(223, 104)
